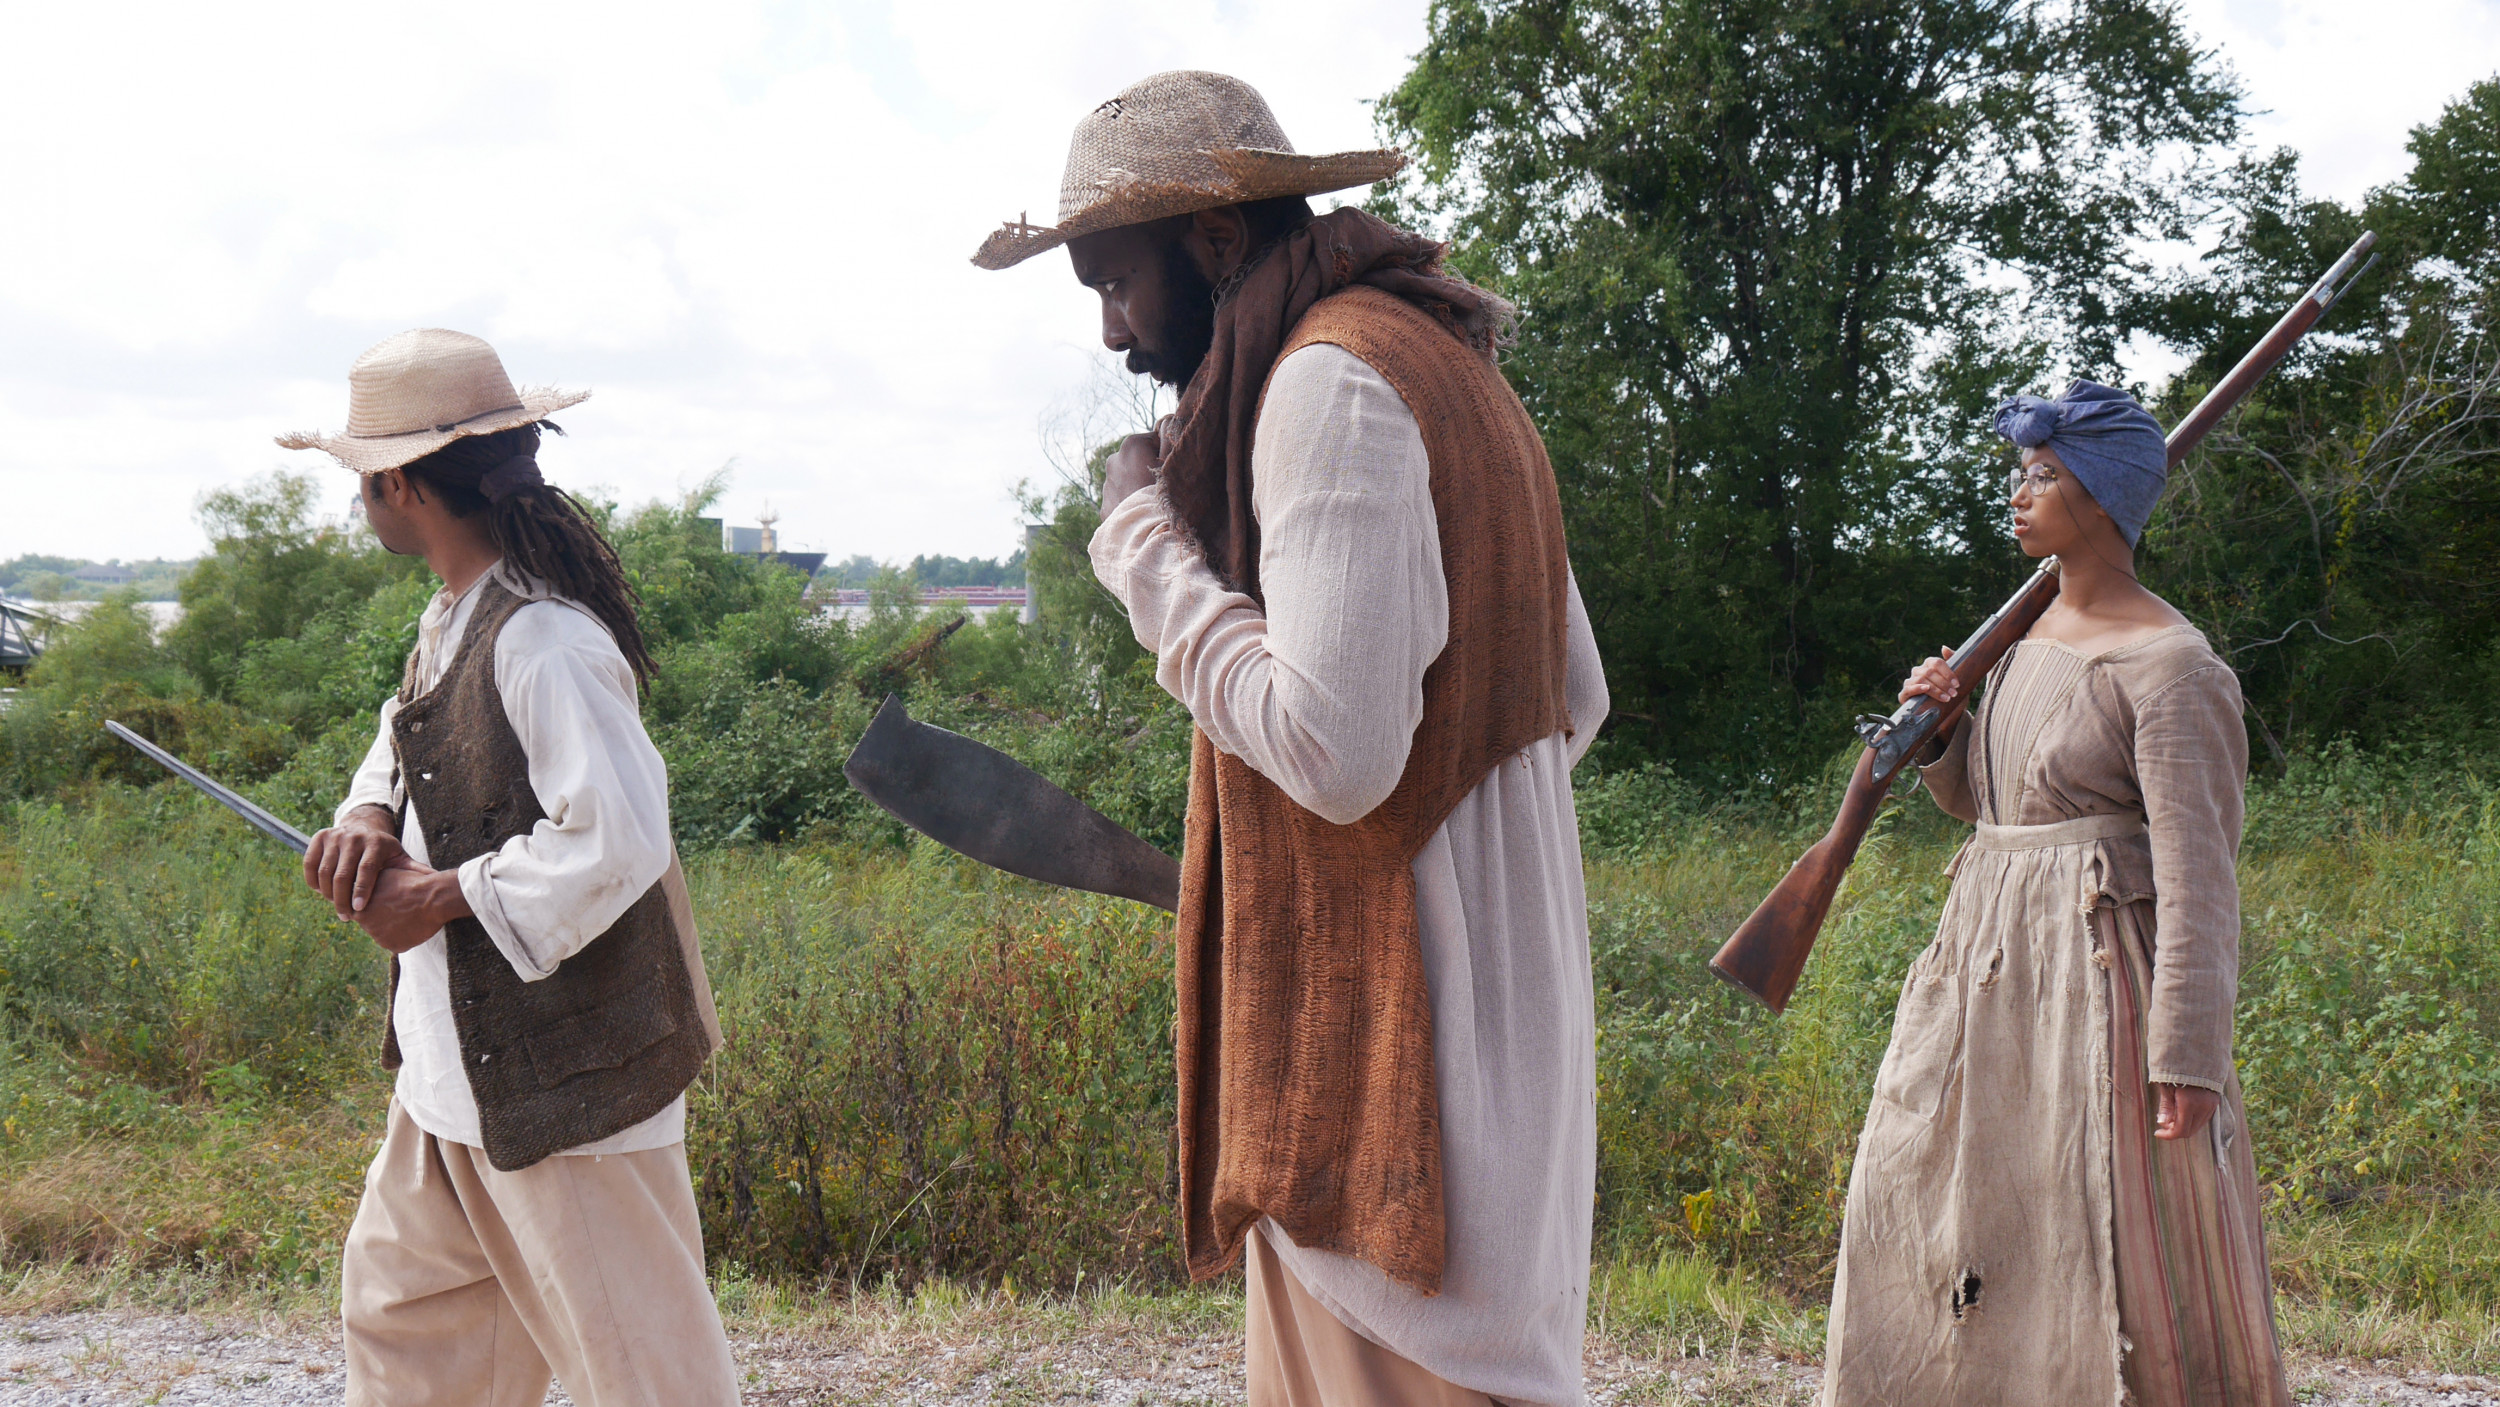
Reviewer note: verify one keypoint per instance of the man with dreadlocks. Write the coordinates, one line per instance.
(1345, 549)
(507, 841)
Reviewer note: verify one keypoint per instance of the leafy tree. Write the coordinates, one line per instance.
(344, 662)
(927, 571)
(2335, 538)
(34, 572)
(2450, 204)
(113, 643)
(1776, 258)
(108, 665)
(275, 565)
(968, 571)
(860, 570)
(687, 583)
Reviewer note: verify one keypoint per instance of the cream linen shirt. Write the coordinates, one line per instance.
(1321, 693)
(570, 698)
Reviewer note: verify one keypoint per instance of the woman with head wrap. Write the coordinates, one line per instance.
(2054, 1199)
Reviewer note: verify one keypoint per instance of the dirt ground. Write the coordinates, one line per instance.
(103, 1356)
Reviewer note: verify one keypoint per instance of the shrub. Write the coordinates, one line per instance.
(931, 1083)
(158, 939)
(762, 761)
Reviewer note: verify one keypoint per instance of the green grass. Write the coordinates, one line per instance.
(952, 1090)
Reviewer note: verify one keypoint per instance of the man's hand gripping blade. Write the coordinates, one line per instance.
(978, 801)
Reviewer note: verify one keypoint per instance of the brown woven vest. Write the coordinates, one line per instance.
(1305, 1040)
(619, 1029)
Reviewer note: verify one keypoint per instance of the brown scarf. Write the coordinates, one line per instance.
(1207, 441)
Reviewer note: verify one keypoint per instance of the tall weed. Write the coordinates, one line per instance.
(157, 940)
(927, 1081)
(942, 1075)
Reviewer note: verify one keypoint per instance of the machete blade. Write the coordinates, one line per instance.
(253, 816)
(978, 801)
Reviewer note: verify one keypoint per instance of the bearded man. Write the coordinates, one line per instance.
(1345, 550)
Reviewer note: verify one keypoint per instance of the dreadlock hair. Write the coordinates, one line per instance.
(542, 530)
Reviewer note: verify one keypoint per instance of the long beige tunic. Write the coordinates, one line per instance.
(2015, 1234)
(1321, 692)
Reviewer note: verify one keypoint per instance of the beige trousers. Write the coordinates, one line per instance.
(1300, 1355)
(461, 1285)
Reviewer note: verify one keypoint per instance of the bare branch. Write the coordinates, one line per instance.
(2388, 640)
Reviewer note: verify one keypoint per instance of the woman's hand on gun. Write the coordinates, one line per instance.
(1934, 677)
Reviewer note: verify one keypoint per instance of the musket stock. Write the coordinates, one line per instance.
(1767, 956)
(1767, 953)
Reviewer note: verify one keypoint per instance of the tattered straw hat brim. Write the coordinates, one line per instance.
(1248, 173)
(372, 454)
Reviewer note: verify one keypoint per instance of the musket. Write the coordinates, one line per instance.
(253, 816)
(1768, 953)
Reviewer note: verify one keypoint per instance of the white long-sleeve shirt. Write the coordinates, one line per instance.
(570, 698)
(1321, 693)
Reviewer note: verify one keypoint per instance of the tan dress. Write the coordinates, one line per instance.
(2015, 1233)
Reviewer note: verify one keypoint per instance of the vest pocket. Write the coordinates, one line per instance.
(600, 1040)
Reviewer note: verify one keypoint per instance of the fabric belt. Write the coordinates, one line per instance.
(2076, 831)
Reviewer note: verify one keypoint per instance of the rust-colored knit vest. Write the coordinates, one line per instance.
(1305, 1040)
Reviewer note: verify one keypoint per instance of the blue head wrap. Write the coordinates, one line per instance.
(2107, 441)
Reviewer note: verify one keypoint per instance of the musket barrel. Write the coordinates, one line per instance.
(2293, 325)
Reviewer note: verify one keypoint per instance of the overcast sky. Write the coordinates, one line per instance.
(744, 225)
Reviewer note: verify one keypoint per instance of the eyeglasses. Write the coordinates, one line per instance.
(2039, 478)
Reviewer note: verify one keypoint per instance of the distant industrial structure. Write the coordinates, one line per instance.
(763, 542)
(21, 636)
(977, 601)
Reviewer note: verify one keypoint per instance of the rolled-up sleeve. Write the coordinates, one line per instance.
(2191, 757)
(1320, 691)
(604, 840)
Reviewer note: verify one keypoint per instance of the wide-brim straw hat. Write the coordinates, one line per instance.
(411, 394)
(1175, 144)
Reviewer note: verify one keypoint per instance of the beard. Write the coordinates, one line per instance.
(1188, 329)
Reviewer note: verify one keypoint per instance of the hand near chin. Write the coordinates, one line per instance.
(1131, 468)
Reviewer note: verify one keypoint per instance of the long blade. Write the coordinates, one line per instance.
(978, 801)
(253, 816)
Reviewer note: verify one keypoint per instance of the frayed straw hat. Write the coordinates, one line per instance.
(1175, 144)
(412, 394)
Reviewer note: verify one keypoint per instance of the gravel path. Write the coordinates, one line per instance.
(96, 1357)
